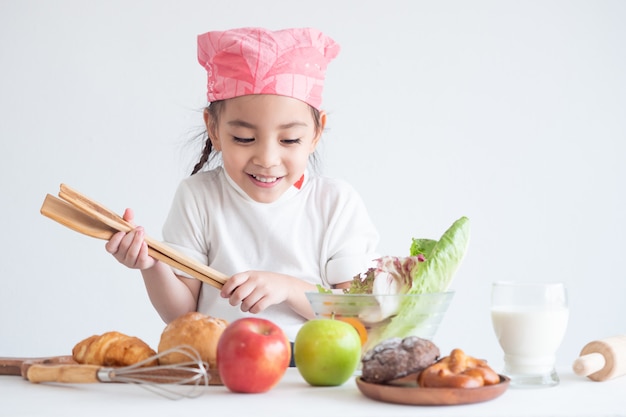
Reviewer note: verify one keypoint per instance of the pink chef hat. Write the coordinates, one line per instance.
(290, 62)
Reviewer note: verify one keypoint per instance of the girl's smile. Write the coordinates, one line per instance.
(265, 181)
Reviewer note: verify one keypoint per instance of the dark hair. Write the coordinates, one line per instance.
(215, 109)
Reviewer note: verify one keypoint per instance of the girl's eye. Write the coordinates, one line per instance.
(291, 141)
(243, 140)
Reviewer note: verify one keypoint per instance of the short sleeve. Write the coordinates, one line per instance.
(352, 239)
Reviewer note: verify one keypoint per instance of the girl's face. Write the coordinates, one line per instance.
(265, 141)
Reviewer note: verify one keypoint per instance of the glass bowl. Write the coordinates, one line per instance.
(385, 316)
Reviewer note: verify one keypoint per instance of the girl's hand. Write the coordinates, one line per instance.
(130, 249)
(254, 291)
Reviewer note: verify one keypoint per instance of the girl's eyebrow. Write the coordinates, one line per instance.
(243, 123)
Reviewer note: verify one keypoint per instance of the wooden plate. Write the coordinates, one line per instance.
(406, 391)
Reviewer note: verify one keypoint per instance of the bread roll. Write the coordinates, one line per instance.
(112, 349)
(458, 371)
(196, 330)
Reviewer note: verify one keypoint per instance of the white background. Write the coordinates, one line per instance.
(510, 113)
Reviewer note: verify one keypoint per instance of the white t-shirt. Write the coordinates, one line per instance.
(320, 233)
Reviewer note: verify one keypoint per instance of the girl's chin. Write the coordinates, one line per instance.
(264, 197)
(266, 194)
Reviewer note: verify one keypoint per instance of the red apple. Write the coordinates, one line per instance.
(252, 355)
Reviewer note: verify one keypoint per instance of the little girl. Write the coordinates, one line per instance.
(260, 216)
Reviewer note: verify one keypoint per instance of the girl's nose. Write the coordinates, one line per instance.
(267, 154)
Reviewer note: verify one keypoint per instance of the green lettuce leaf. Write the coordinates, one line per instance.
(323, 290)
(422, 247)
(442, 260)
(362, 284)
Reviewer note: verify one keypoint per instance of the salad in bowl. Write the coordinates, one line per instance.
(400, 296)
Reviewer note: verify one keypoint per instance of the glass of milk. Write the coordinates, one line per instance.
(529, 320)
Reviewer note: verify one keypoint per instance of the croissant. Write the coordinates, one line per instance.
(113, 349)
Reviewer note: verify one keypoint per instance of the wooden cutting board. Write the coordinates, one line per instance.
(19, 366)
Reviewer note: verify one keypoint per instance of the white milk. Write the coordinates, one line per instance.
(529, 337)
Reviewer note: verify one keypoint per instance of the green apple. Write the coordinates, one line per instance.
(327, 352)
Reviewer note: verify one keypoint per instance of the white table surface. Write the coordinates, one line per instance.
(575, 396)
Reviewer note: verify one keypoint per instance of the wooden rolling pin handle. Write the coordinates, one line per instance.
(602, 359)
(63, 373)
(588, 364)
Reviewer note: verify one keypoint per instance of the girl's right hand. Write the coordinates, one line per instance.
(130, 248)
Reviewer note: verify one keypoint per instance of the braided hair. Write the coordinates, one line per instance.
(214, 109)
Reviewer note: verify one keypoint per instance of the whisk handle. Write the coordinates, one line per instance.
(63, 373)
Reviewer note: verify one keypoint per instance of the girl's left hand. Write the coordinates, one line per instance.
(254, 291)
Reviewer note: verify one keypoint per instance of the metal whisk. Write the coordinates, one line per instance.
(180, 380)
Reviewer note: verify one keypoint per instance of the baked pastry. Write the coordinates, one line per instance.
(113, 349)
(396, 358)
(458, 371)
(197, 330)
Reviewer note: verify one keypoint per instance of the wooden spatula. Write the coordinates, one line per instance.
(112, 219)
(69, 216)
(87, 222)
